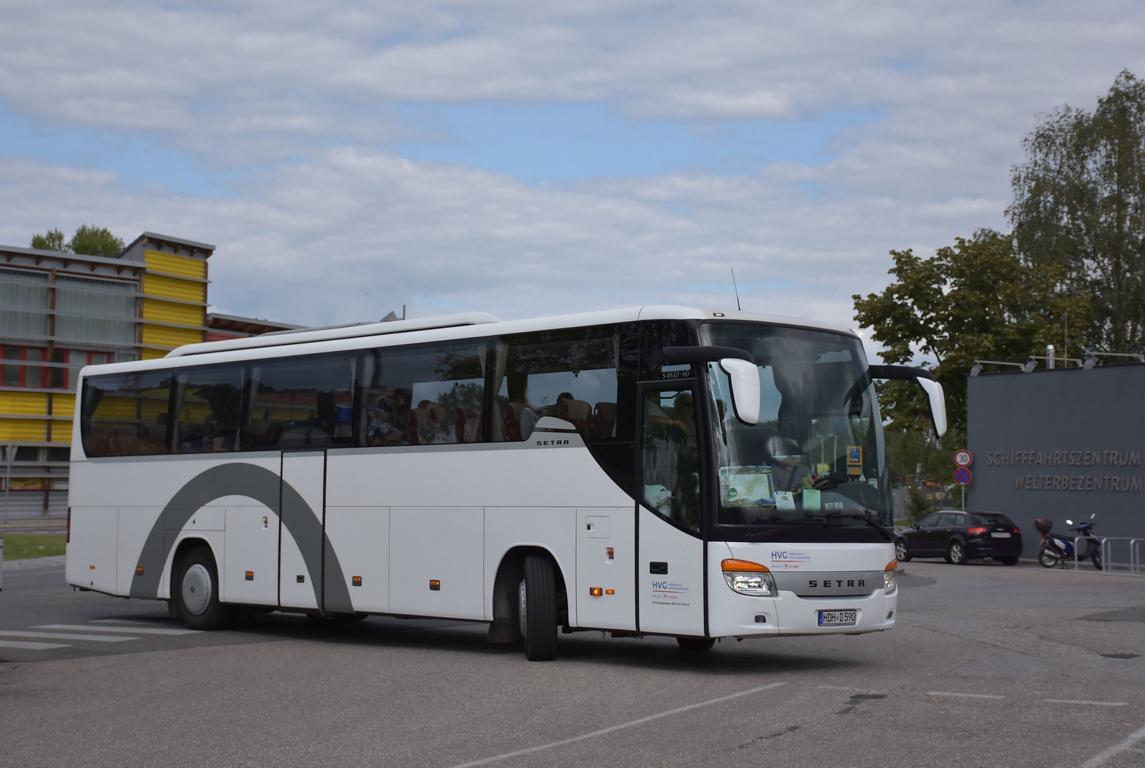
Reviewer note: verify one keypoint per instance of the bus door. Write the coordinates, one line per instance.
(302, 520)
(670, 569)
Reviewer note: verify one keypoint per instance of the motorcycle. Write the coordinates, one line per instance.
(1057, 550)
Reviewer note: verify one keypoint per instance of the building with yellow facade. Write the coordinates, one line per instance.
(62, 311)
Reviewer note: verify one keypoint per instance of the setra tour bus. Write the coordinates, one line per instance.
(647, 471)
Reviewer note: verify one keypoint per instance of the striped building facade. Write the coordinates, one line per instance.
(61, 311)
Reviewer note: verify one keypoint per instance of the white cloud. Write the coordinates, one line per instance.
(352, 231)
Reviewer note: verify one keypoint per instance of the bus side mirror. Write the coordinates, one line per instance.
(925, 379)
(744, 377)
(937, 400)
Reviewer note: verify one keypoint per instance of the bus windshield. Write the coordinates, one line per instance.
(815, 458)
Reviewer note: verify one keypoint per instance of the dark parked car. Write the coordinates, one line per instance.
(961, 536)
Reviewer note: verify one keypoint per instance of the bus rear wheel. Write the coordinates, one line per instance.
(195, 592)
(537, 609)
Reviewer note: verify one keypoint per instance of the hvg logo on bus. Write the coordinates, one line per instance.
(786, 558)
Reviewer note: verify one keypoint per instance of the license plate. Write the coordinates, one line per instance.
(1001, 534)
(841, 618)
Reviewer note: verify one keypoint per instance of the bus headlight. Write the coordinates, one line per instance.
(748, 578)
(890, 578)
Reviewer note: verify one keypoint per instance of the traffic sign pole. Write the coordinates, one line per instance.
(962, 474)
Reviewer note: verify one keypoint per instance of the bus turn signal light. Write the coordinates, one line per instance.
(595, 591)
(890, 577)
(743, 566)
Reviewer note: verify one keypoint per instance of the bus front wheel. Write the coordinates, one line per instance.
(537, 609)
(196, 592)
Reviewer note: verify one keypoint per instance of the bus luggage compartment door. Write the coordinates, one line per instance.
(605, 559)
(302, 514)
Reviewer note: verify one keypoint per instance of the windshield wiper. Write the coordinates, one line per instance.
(867, 516)
(833, 480)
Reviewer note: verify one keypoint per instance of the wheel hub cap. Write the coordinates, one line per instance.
(196, 590)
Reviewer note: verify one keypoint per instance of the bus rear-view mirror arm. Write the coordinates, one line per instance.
(924, 379)
(741, 371)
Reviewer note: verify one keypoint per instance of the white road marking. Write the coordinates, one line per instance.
(953, 694)
(67, 636)
(1088, 703)
(128, 630)
(29, 646)
(622, 726)
(153, 622)
(1125, 745)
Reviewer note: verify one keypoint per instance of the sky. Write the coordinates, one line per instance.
(525, 158)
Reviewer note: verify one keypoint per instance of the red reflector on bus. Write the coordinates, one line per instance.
(356, 581)
(610, 591)
(435, 585)
(139, 570)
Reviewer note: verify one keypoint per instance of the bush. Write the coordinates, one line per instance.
(917, 505)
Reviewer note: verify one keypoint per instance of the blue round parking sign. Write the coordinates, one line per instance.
(963, 476)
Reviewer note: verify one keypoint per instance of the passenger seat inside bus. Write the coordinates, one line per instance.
(603, 420)
(575, 411)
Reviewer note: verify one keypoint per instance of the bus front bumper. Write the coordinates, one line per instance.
(790, 614)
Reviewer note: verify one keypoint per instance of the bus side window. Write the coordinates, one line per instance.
(125, 414)
(209, 407)
(568, 374)
(303, 402)
(429, 395)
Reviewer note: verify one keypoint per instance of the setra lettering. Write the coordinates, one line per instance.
(835, 583)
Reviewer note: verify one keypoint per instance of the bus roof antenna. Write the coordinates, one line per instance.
(736, 289)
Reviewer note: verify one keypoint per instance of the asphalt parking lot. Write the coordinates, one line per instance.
(988, 666)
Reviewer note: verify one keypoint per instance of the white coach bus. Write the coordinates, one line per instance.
(649, 471)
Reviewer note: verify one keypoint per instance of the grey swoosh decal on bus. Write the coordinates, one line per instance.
(262, 485)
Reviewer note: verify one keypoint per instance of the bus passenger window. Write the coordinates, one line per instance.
(125, 414)
(568, 374)
(303, 402)
(429, 395)
(209, 406)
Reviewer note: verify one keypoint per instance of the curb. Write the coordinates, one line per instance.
(35, 562)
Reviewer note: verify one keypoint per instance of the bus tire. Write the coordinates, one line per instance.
(195, 592)
(537, 609)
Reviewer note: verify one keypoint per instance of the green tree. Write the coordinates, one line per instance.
(95, 241)
(52, 240)
(1079, 207)
(88, 240)
(973, 300)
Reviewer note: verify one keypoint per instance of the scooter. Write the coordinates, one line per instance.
(1057, 550)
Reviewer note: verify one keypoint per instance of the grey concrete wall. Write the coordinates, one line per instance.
(1061, 444)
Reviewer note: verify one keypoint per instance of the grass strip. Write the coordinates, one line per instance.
(25, 546)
